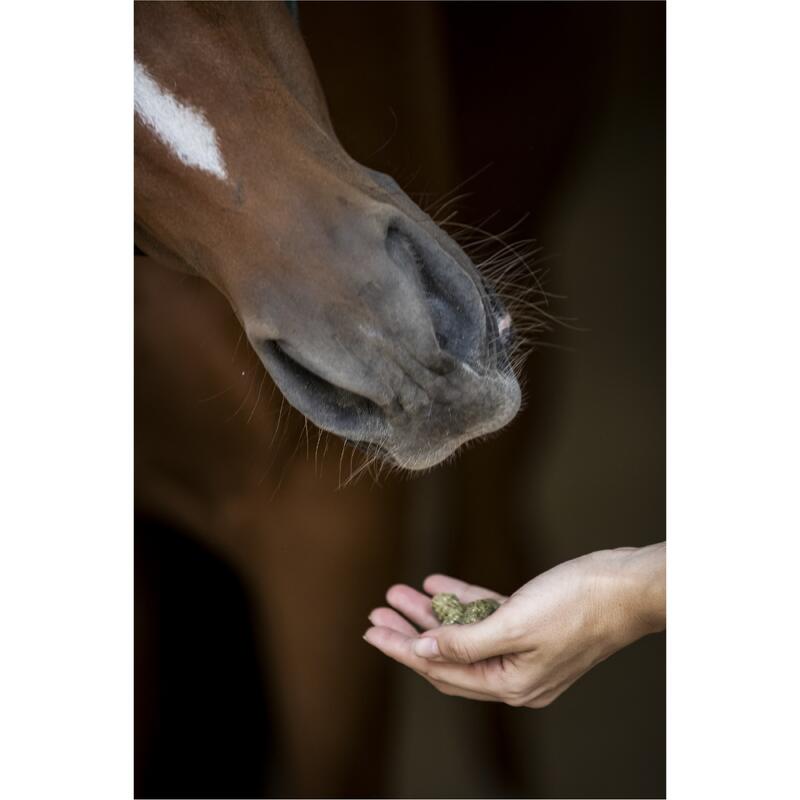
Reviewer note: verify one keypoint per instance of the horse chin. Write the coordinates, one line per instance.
(421, 460)
(422, 446)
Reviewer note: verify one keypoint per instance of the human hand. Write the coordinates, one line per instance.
(541, 639)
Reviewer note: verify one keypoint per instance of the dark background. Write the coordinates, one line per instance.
(562, 107)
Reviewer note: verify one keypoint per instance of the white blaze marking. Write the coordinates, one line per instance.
(182, 128)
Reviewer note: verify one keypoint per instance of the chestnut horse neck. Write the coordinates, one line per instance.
(222, 53)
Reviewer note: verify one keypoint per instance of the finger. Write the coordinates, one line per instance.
(400, 647)
(413, 604)
(467, 644)
(389, 618)
(381, 642)
(465, 592)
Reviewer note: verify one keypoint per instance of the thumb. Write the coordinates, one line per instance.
(466, 644)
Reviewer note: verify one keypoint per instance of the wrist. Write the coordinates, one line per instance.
(646, 569)
(629, 582)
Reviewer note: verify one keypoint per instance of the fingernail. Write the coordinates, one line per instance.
(426, 647)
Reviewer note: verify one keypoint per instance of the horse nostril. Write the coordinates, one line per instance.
(452, 299)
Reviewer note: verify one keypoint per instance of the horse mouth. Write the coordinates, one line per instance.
(417, 441)
(327, 405)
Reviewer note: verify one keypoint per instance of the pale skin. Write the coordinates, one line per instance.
(543, 637)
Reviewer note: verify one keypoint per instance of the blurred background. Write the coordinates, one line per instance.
(255, 573)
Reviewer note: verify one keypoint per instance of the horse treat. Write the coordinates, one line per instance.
(450, 611)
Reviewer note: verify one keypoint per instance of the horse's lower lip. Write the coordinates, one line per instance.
(331, 407)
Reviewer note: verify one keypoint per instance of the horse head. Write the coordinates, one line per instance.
(370, 319)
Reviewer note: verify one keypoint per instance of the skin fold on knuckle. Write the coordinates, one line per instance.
(516, 689)
(547, 695)
(525, 694)
(516, 699)
(496, 679)
(455, 650)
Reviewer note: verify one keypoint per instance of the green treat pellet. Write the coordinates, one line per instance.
(478, 610)
(450, 611)
(447, 608)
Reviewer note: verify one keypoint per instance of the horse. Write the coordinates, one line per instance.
(367, 317)
(370, 319)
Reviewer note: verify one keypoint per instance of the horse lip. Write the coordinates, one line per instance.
(403, 437)
(380, 396)
(331, 407)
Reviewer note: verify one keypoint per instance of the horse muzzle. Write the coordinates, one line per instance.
(414, 360)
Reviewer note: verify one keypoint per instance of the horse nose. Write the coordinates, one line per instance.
(452, 299)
